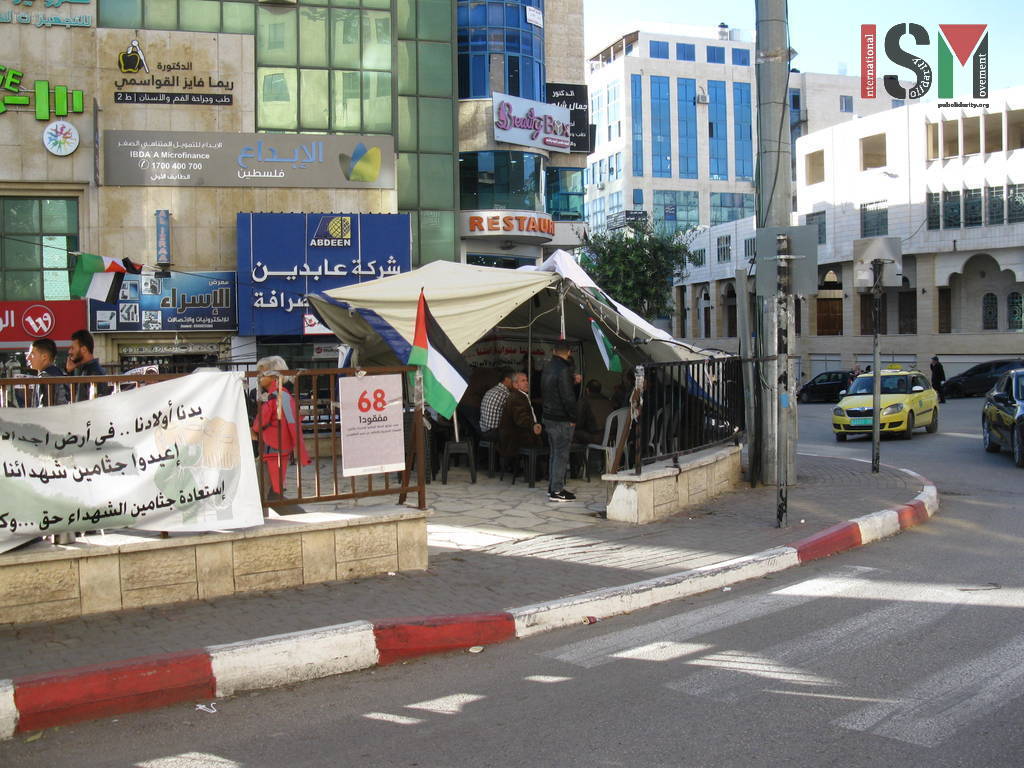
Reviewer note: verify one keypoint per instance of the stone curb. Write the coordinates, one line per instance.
(35, 702)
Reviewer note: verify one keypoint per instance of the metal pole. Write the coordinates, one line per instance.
(876, 390)
(782, 367)
(747, 367)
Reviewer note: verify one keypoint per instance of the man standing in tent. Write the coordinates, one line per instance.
(559, 417)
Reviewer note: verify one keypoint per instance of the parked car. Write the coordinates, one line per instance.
(825, 387)
(1002, 418)
(908, 402)
(979, 379)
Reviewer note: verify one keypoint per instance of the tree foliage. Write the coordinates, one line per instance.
(636, 265)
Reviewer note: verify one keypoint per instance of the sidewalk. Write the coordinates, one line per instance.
(492, 546)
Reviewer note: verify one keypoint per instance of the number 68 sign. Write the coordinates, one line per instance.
(372, 424)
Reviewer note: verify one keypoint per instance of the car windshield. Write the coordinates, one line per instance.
(891, 385)
(1020, 387)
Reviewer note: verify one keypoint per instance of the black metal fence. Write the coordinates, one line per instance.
(679, 408)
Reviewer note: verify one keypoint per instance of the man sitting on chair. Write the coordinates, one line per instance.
(493, 406)
(591, 414)
(519, 427)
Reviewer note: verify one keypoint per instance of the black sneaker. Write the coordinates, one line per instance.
(568, 495)
(562, 495)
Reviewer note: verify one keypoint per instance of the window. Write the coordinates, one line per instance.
(950, 138)
(994, 204)
(872, 152)
(814, 166)
(186, 15)
(934, 206)
(491, 35)
(637, 108)
(907, 312)
(564, 190)
(675, 211)
(659, 49)
(818, 218)
(743, 131)
(951, 209)
(830, 317)
(596, 215)
(1014, 203)
(724, 248)
(718, 131)
(846, 104)
(989, 312)
(614, 113)
(614, 203)
(697, 257)
(874, 219)
(1014, 316)
(740, 57)
(638, 197)
(35, 237)
(601, 166)
(500, 179)
(749, 248)
(972, 208)
(661, 128)
(716, 54)
(945, 310)
(972, 135)
(730, 206)
(932, 140)
(686, 105)
(685, 52)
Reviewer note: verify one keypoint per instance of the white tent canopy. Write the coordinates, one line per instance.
(556, 299)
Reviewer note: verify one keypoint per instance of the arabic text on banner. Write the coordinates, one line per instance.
(172, 456)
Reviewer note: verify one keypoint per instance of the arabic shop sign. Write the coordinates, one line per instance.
(531, 123)
(47, 18)
(284, 256)
(171, 456)
(24, 321)
(576, 99)
(189, 159)
(195, 301)
(57, 101)
(132, 61)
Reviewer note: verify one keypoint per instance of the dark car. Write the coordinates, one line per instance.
(825, 387)
(979, 379)
(1002, 419)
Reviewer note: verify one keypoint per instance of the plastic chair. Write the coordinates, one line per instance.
(461, 448)
(614, 426)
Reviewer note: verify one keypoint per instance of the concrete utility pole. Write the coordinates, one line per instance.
(773, 195)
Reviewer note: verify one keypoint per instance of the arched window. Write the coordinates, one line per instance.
(1014, 314)
(989, 312)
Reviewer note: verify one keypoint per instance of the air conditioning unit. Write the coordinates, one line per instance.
(600, 185)
(702, 98)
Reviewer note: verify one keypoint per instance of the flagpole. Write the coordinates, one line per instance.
(455, 423)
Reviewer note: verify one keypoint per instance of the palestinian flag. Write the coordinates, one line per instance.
(100, 278)
(445, 372)
(611, 358)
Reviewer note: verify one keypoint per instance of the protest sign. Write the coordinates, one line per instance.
(372, 426)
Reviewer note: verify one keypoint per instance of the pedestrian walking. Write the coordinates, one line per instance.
(938, 378)
(277, 426)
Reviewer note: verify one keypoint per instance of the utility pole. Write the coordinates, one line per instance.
(773, 196)
(876, 359)
(782, 437)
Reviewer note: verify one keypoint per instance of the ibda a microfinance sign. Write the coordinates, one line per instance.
(531, 123)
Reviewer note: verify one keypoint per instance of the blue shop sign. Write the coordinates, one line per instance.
(184, 301)
(284, 256)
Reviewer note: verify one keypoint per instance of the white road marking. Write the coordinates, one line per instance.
(969, 436)
(447, 705)
(387, 717)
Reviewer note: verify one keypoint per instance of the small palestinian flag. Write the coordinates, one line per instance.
(445, 372)
(611, 358)
(100, 278)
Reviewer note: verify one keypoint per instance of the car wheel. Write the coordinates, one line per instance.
(987, 439)
(1018, 447)
(840, 437)
(909, 431)
(804, 398)
(933, 425)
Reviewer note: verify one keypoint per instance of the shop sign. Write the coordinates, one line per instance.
(575, 98)
(46, 20)
(25, 321)
(284, 256)
(49, 102)
(531, 123)
(190, 159)
(534, 16)
(174, 81)
(171, 348)
(523, 226)
(163, 236)
(195, 301)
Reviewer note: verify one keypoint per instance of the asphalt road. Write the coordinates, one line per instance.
(903, 653)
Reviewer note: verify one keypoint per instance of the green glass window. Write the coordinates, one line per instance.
(376, 40)
(406, 67)
(436, 125)
(437, 181)
(377, 4)
(435, 22)
(345, 39)
(346, 3)
(313, 34)
(377, 102)
(35, 237)
(161, 14)
(125, 14)
(276, 41)
(314, 99)
(407, 122)
(435, 69)
(437, 235)
(406, 18)
(346, 115)
(277, 103)
(408, 180)
(239, 18)
(200, 15)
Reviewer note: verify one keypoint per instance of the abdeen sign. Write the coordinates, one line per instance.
(576, 99)
(284, 256)
(531, 123)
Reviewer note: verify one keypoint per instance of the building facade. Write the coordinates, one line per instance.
(151, 131)
(522, 129)
(949, 183)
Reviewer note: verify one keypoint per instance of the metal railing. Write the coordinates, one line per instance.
(680, 408)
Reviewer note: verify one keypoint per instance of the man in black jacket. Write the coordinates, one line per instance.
(559, 417)
(40, 358)
(938, 378)
(82, 363)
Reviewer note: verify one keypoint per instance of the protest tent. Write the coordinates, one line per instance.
(554, 300)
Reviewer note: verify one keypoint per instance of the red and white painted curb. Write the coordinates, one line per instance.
(34, 702)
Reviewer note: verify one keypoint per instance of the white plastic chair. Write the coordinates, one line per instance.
(615, 423)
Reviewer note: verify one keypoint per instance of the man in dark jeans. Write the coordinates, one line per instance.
(82, 363)
(938, 378)
(559, 416)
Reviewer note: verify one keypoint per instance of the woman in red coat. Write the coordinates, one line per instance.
(279, 431)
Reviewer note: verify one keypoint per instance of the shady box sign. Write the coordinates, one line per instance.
(531, 123)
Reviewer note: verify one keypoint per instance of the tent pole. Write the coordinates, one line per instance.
(529, 350)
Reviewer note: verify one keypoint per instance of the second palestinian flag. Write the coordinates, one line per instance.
(100, 278)
(445, 371)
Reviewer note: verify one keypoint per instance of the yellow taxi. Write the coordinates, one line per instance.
(908, 402)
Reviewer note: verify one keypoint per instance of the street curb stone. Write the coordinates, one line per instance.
(47, 700)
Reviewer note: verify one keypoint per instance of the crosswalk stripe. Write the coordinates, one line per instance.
(932, 711)
(601, 650)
